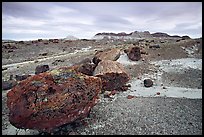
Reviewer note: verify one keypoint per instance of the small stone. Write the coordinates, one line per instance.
(44, 54)
(113, 92)
(164, 88)
(107, 94)
(130, 97)
(128, 85)
(158, 93)
(158, 54)
(148, 82)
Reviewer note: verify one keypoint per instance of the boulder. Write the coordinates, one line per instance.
(112, 74)
(41, 69)
(107, 54)
(148, 82)
(134, 53)
(48, 100)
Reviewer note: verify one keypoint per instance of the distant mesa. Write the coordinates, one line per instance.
(160, 34)
(136, 35)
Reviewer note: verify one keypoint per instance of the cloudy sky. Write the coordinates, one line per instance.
(33, 20)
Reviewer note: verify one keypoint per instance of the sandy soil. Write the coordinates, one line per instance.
(175, 69)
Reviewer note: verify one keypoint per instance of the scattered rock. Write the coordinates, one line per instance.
(107, 94)
(112, 74)
(143, 52)
(56, 61)
(48, 100)
(9, 51)
(21, 77)
(158, 93)
(36, 61)
(113, 92)
(41, 69)
(148, 82)
(43, 54)
(40, 40)
(154, 46)
(164, 88)
(134, 53)
(6, 85)
(130, 97)
(158, 54)
(9, 46)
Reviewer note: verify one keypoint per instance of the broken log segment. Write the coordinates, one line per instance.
(112, 74)
(134, 53)
(107, 54)
(48, 100)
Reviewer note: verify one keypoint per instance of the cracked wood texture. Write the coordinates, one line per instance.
(51, 99)
(112, 74)
(107, 54)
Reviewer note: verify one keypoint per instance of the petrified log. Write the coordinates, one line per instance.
(51, 99)
(134, 53)
(108, 54)
(41, 69)
(85, 66)
(112, 74)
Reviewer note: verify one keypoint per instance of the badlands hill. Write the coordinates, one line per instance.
(135, 35)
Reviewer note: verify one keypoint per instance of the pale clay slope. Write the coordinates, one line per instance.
(177, 65)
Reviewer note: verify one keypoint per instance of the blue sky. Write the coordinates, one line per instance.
(33, 20)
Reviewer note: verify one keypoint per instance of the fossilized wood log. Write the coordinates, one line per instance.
(112, 74)
(108, 54)
(134, 53)
(51, 99)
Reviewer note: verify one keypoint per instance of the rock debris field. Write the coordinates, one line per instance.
(102, 87)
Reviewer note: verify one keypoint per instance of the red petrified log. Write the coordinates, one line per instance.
(51, 99)
(107, 54)
(134, 53)
(112, 74)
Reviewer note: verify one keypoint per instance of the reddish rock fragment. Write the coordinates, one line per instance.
(107, 54)
(134, 53)
(112, 74)
(130, 97)
(51, 99)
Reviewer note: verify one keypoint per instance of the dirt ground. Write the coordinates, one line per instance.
(163, 115)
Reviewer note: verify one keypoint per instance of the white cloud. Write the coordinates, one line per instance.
(87, 19)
